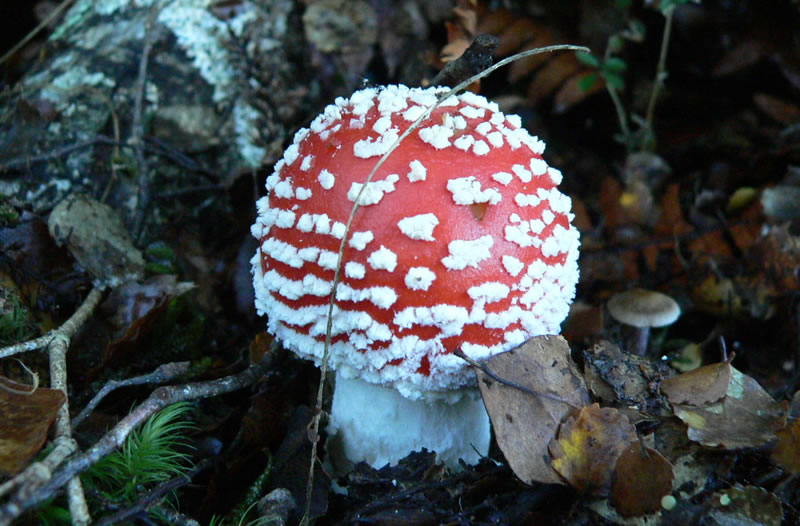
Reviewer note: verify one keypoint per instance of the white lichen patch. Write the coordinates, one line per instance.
(419, 226)
(374, 191)
(383, 259)
(360, 240)
(468, 253)
(419, 278)
(326, 179)
(417, 171)
(468, 191)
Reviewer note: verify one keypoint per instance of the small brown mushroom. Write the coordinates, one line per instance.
(643, 309)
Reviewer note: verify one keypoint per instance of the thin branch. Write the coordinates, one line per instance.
(29, 496)
(659, 80)
(499, 379)
(65, 332)
(137, 128)
(55, 13)
(337, 273)
(163, 374)
(58, 380)
(153, 497)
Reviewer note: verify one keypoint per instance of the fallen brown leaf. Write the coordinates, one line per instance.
(524, 423)
(701, 386)
(641, 479)
(787, 451)
(587, 448)
(26, 418)
(746, 417)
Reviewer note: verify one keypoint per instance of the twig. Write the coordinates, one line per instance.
(163, 374)
(58, 380)
(154, 496)
(55, 13)
(137, 128)
(29, 496)
(659, 80)
(337, 273)
(55, 153)
(499, 379)
(157, 148)
(65, 332)
(476, 58)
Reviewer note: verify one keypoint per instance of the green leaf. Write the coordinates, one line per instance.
(587, 82)
(615, 65)
(623, 4)
(614, 80)
(587, 59)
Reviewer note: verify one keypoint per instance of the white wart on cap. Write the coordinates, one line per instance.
(462, 239)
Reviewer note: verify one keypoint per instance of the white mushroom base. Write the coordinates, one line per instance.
(380, 426)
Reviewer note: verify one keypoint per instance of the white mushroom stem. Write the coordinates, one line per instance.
(380, 426)
(641, 336)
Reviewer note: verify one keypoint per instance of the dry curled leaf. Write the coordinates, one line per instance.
(524, 423)
(97, 238)
(641, 479)
(701, 386)
(787, 451)
(26, 416)
(747, 416)
(588, 446)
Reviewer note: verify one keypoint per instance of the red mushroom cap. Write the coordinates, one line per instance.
(462, 239)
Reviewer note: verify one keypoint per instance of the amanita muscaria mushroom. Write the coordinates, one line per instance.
(462, 241)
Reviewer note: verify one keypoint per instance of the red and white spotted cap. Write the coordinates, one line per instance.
(462, 239)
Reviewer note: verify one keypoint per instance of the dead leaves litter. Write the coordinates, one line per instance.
(588, 446)
(746, 416)
(26, 417)
(524, 422)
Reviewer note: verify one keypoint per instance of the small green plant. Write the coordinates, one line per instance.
(611, 69)
(154, 453)
(16, 322)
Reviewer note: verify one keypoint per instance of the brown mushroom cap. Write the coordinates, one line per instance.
(643, 308)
